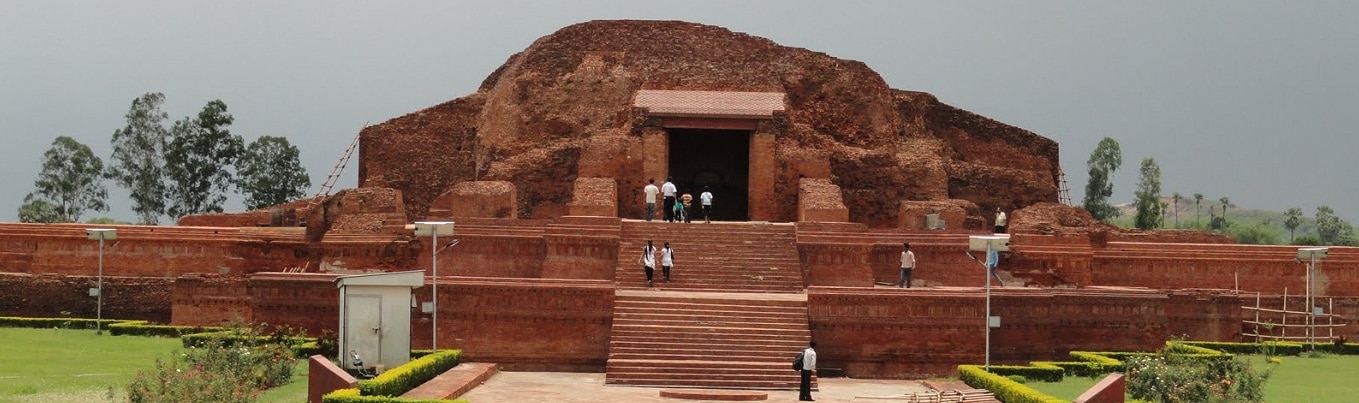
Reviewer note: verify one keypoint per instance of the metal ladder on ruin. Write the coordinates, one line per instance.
(1063, 190)
(336, 171)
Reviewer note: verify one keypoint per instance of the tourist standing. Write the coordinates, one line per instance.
(804, 390)
(651, 190)
(667, 260)
(649, 260)
(668, 191)
(907, 263)
(706, 200)
(1000, 221)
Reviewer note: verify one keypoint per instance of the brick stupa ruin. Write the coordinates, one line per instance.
(582, 119)
(822, 170)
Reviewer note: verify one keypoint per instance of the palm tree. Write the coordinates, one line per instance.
(1292, 219)
(1176, 198)
(1198, 208)
(1225, 202)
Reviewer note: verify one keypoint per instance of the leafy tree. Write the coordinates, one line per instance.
(106, 220)
(1150, 209)
(271, 173)
(1308, 240)
(71, 180)
(39, 211)
(1176, 197)
(198, 158)
(1333, 230)
(137, 156)
(1259, 233)
(1292, 220)
(1102, 163)
(1198, 208)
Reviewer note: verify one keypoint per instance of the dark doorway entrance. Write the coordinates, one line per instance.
(718, 159)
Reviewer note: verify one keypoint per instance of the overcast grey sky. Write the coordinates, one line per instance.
(1250, 100)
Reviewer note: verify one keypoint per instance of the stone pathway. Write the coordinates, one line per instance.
(570, 387)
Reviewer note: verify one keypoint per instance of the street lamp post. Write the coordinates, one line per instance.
(989, 244)
(101, 235)
(433, 229)
(1312, 256)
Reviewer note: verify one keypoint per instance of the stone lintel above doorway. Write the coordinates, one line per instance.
(728, 110)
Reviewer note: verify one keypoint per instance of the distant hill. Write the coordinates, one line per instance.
(1236, 216)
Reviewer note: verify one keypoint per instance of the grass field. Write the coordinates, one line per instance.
(1325, 379)
(64, 365)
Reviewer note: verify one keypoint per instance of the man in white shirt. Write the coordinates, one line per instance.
(1000, 221)
(804, 390)
(651, 190)
(907, 263)
(668, 191)
(667, 261)
(706, 200)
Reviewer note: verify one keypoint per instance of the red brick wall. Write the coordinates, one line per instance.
(552, 325)
(892, 334)
(476, 255)
(323, 377)
(55, 296)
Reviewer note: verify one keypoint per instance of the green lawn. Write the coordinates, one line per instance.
(1068, 389)
(51, 365)
(56, 365)
(295, 391)
(1329, 378)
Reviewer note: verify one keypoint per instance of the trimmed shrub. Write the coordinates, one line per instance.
(352, 396)
(49, 323)
(401, 379)
(1040, 371)
(1019, 379)
(142, 328)
(1005, 390)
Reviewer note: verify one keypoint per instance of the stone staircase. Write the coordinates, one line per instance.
(719, 257)
(706, 339)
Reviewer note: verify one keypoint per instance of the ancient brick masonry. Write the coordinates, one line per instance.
(562, 109)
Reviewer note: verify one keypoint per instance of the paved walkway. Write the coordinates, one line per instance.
(570, 387)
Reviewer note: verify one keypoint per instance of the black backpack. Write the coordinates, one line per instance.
(797, 362)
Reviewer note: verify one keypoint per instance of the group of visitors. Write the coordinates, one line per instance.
(667, 255)
(676, 207)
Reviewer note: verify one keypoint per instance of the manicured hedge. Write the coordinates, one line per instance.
(143, 328)
(1280, 347)
(352, 395)
(1038, 371)
(401, 379)
(48, 323)
(1006, 390)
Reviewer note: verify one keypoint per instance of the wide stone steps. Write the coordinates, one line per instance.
(741, 257)
(706, 340)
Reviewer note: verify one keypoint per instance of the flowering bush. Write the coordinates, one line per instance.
(230, 367)
(1170, 377)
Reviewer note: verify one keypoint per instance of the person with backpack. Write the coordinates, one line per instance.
(808, 364)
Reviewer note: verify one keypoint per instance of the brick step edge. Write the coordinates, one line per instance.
(714, 395)
(454, 382)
